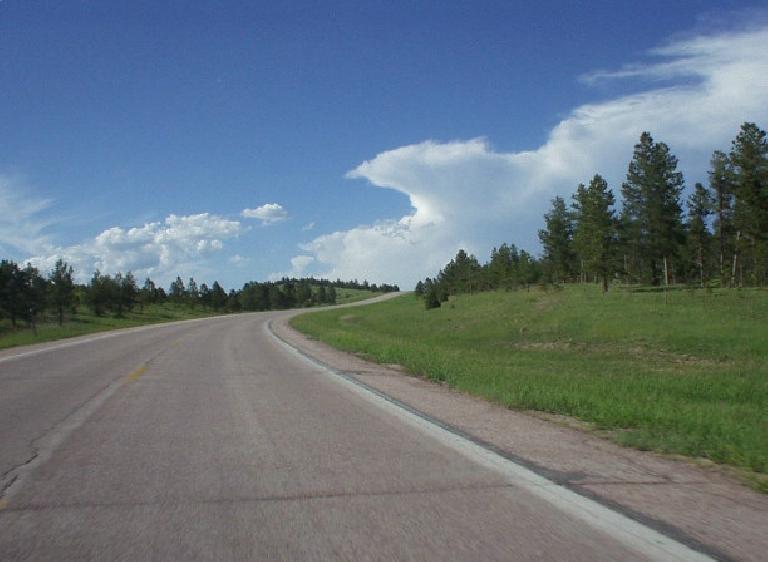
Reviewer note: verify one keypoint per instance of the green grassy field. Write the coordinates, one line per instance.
(689, 376)
(84, 322)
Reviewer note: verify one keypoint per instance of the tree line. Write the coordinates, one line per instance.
(26, 295)
(717, 236)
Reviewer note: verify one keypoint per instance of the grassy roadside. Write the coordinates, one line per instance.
(689, 376)
(84, 322)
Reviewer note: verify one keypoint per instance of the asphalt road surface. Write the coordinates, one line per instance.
(213, 440)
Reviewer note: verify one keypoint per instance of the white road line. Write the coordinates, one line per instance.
(638, 537)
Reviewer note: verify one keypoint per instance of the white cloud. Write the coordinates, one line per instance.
(269, 213)
(307, 227)
(466, 194)
(299, 265)
(21, 220)
(177, 245)
(238, 260)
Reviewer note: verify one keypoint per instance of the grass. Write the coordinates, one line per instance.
(344, 296)
(688, 376)
(84, 322)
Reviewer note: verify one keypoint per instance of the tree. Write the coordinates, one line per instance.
(177, 290)
(304, 294)
(556, 239)
(595, 236)
(99, 293)
(233, 301)
(528, 269)
(322, 295)
(205, 296)
(331, 295)
(431, 297)
(193, 294)
(503, 267)
(749, 156)
(652, 221)
(699, 208)
(34, 293)
(218, 296)
(126, 292)
(275, 296)
(148, 293)
(419, 289)
(721, 188)
(461, 275)
(9, 295)
(62, 288)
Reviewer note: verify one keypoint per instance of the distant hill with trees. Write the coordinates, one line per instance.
(28, 297)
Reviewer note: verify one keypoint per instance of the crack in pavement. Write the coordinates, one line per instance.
(45, 444)
(264, 499)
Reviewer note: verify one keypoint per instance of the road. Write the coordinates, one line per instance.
(213, 440)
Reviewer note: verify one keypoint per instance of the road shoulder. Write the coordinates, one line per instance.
(693, 504)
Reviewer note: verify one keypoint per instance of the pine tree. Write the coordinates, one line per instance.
(749, 156)
(322, 296)
(595, 235)
(62, 288)
(431, 296)
(557, 241)
(7, 293)
(652, 224)
(460, 275)
(177, 290)
(699, 208)
(193, 293)
(721, 188)
(100, 294)
(218, 296)
(419, 289)
(205, 295)
(502, 268)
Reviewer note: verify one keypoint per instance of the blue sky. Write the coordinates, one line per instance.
(380, 135)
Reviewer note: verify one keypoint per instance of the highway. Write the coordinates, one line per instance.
(214, 440)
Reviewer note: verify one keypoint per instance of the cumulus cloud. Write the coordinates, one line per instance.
(269, 213)
(299, 265)
(307, 227)
(466, 194)
(158, 249)
(299, 268)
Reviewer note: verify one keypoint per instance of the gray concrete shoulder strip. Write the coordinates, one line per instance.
(653, 538)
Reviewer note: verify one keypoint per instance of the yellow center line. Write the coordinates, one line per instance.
(3, 504)
(136, 374)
